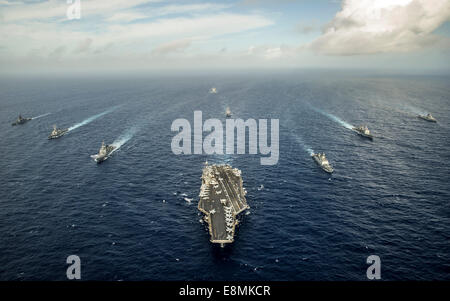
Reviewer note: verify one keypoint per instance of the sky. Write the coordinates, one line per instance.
(116, 35)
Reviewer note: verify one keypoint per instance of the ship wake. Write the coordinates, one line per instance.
(90, 119)
(305, 147)
(43, 115)
(124, 138)
(333, 117)
(413, 110)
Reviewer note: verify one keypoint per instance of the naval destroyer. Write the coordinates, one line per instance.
(363, 131)
(21, 120)
(427, 117)
(222, 198)
(56, 133)
(322, 161)
(104, 152)
(228, 112)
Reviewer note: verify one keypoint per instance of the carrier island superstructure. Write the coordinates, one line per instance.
(222, 198)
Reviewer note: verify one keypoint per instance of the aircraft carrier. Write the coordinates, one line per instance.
(222, 198)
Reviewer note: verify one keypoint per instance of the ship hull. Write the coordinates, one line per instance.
(427, 119)
(370, 137)
(100, 159)
(23, 121)
(59, 135)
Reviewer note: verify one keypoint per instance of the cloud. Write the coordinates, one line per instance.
(266, 2)
(46, 10)
(111, 10)
(183, 27)
(308, 27)
(125, 17)
(305, 29)
(267, 52)
(174, 46)
(4, 2)
(382, 26)
(84, 46)
(135, 38)
(166, 10)
(188, 8)
(57, 53)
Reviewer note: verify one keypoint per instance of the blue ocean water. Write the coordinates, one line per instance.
(128, 218)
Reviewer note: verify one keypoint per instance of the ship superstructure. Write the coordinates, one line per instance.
(363, 131)
(21, 120)
(228, 112)
(322, 161)
(103, 153)
(222, 198)
(56, 133)
(427, 117)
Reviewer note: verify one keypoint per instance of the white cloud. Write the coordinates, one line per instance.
(139, 38)
(268, 52)
(188, 8)
(125, 17)
(273, 53)
(40, 28)
(174, 46)
(57, 9)
(382, 26)
(4, 2)
(84, 46)
(111, 10)
(201, 26)
(166, 10)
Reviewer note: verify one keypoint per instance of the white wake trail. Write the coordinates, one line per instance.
(334, 118)
(414, 110)
(90, 119)
(124, 138)
(306, 147)
(41, 116)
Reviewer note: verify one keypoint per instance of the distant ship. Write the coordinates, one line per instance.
(228, 112)
(103, 153)
(213, 90)
(21, 120)
(427, 117)
(363, 131)
(56, 133)
(322, 161)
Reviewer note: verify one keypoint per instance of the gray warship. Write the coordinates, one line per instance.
(228, 112)
(21, 120)
(322, 161)
(104, 152)
(56, 133)
(427, 117)
(363, 131)
(222, 198)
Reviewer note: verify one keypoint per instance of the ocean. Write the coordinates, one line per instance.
(132, 217)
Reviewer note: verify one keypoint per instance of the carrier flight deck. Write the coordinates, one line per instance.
(222, 198)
